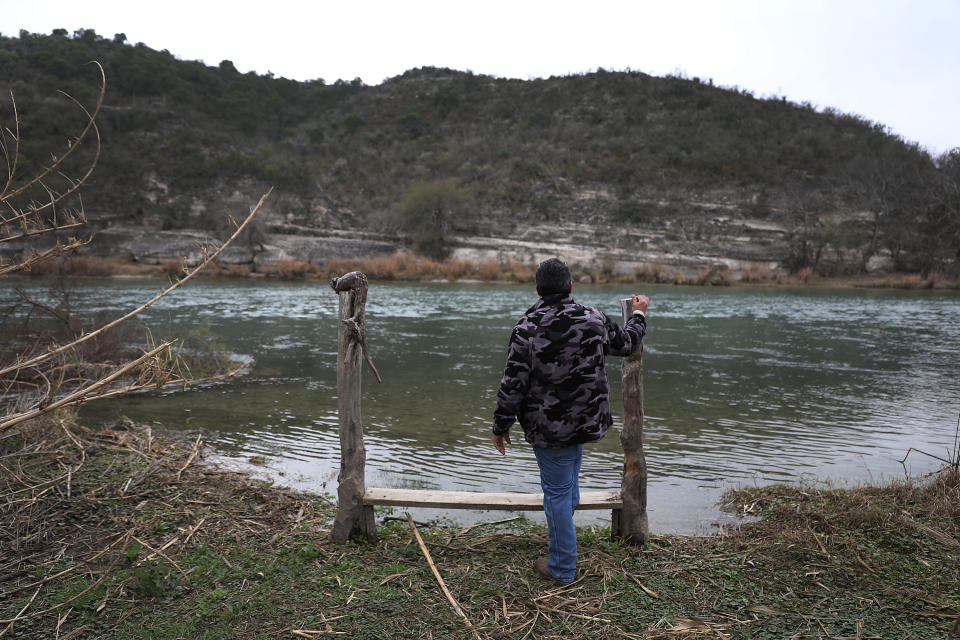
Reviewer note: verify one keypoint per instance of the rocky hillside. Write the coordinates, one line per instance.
(618, 169)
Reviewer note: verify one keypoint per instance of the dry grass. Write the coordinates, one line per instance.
(84, 265)
(408, 266)
(805, 275)
(713, 276)
(757, 273)
(878, 510)
(232, 270)
(908, 281)
(173, 268)
(292, 269)
(113, 510)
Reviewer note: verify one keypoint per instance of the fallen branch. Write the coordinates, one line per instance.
(572, 614)
(647, 591)
(193, 454)
(393, 576)
(938, 535)
(443, 586)
(484, 524)
(20, 613)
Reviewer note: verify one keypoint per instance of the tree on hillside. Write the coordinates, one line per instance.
(943, 216)
(890, 175)
(803, 205)
(427, 213)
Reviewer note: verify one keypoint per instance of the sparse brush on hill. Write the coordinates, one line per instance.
(618, 150)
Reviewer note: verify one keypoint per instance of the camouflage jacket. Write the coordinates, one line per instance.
(555, 380)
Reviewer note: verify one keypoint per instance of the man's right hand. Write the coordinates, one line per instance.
(640, 303)
(498, 441)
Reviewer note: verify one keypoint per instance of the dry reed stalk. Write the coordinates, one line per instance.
(80, 395)
(436, 574)
(20, 613)
(571, 614)
(193, 454)
(55, 607)
(37, 257)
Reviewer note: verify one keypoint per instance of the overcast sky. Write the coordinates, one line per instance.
(894, 62)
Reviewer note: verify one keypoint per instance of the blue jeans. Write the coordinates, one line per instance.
(559, 473)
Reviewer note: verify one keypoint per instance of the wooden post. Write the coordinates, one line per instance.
(352, 519)
(633, 526)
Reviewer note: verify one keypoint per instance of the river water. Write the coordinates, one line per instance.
(743, 386)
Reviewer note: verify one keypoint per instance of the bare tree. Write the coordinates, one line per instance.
(890, 178)
(944, 213)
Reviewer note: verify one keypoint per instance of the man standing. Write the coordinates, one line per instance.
(555, 385)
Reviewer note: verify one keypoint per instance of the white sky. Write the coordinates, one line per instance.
(893, 61)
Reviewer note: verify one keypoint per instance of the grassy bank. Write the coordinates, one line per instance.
(409, 267)
(118, 532)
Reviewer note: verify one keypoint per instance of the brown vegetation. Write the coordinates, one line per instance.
(409, 266)
(908, 281)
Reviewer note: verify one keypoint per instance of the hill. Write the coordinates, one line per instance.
(616, 168)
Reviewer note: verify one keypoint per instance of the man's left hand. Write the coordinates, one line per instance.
(498, 441)
(640, 303)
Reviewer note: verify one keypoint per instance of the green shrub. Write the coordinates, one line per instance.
(427, 212)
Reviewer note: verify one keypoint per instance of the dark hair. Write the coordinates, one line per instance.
(553, 276)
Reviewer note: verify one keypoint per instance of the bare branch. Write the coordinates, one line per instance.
(91, 126)
(11, 166)
(38, 256)
(176, 285)
(43, 230)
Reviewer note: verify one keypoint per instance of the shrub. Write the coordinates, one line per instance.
(488, 270)
(173, 268)
(757, 273)
(352, 123)
(427, 210)
(632, 211)
(413, 124)
(316, 135)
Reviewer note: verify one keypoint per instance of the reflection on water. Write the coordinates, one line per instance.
(742, 386)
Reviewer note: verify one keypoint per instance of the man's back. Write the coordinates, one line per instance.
(555, 380)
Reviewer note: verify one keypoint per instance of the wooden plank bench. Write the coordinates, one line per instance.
(610, 499)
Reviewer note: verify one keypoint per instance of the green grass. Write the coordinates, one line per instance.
(863, 563)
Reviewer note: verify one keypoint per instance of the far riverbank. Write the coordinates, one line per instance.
(408, 267)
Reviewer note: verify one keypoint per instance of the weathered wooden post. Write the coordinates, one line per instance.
(352, 519)
(633, 526)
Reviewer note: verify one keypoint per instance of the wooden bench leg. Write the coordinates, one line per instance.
(369, 523)
(615, 532)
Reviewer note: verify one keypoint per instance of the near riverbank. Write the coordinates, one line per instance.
(120, 532)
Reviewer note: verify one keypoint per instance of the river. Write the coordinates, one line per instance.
(743, 386)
